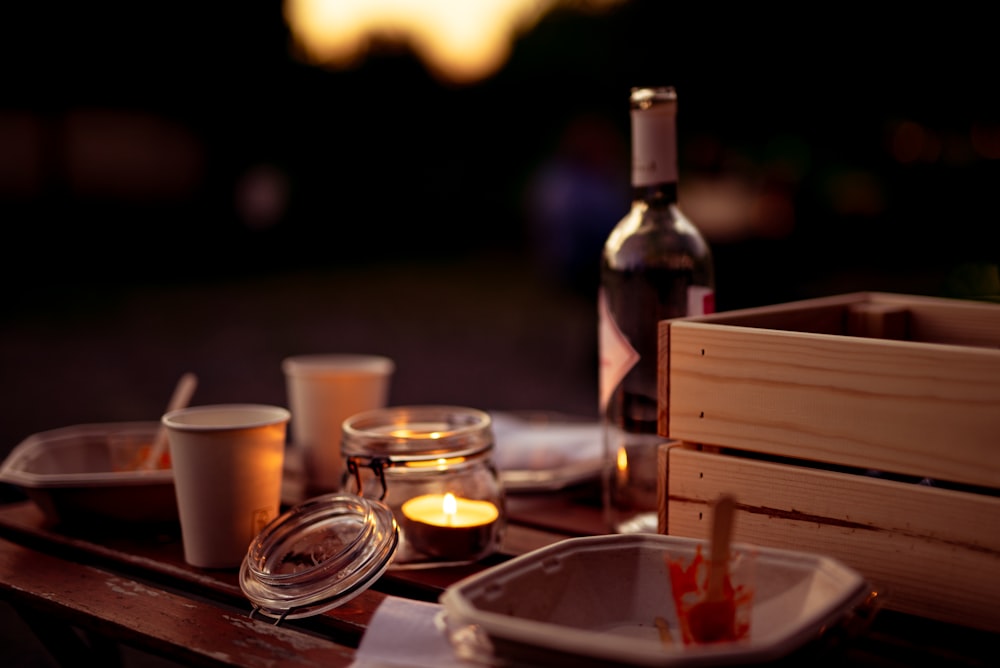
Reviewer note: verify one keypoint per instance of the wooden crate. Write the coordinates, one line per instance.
(794, 407)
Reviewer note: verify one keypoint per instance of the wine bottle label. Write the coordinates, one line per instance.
(700, 300)
(617, 356)
(654, 145)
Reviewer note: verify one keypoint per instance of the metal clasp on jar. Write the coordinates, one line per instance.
(376, 464)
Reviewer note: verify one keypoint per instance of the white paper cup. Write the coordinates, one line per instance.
(324, 390)
(227, 461)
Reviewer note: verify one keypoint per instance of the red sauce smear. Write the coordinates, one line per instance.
(139, 458)
(707, 621)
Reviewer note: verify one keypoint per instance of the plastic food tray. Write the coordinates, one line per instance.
(594, 601)
(87, 474)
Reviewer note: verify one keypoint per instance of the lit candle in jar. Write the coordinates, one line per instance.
(449, 527)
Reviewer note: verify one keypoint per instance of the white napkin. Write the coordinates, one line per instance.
(403, 633)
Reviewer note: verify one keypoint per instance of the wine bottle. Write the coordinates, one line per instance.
(655, 265)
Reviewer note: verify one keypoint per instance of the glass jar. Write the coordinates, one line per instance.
(433, 467)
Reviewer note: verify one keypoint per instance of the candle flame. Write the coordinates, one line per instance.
(449, 506)
(622, 460)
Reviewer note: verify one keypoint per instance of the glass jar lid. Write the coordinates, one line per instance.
(417, 433)
(318, 555)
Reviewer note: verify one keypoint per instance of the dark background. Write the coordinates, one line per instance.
(822, 151)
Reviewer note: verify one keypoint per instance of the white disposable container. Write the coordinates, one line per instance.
(593, 601)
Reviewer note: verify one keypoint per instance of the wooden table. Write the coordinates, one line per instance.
(134, 588)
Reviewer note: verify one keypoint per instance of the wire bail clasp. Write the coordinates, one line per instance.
(376, 464)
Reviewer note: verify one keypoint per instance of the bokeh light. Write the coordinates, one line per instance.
(459, 42)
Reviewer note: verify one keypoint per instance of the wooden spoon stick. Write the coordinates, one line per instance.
(713, 618)
(722, 528)
(181, 397)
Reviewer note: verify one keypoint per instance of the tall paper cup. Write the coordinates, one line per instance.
(324, 390)
(227, 461)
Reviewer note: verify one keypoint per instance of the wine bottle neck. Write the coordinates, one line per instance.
(657, 194)
(654, 139)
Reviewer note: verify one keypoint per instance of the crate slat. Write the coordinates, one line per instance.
(933, 552)
(906, 407)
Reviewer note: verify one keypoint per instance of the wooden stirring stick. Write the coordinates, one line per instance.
(714, 617)
(718, 564)
(181, 397)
